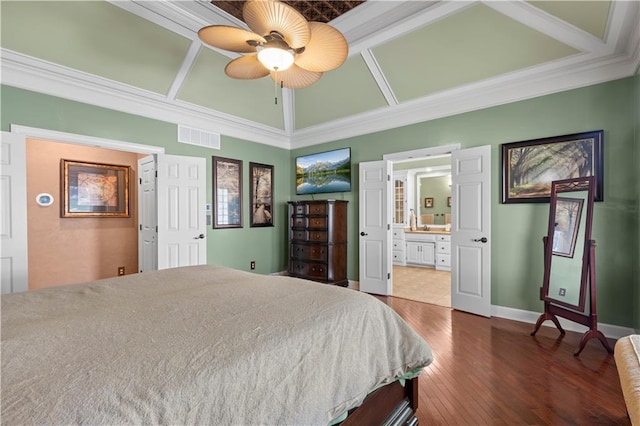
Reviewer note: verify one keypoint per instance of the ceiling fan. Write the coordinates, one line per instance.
(281, 43)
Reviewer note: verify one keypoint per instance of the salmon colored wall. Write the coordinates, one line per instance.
(73, 250)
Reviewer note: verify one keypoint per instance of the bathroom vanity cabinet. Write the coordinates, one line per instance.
(426, 248)
(421, 248)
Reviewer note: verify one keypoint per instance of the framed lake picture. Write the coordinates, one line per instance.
(261, 194)
(529, 167)
(227, 193)
(94, 189)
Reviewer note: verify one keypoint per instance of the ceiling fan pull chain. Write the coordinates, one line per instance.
(275, 85)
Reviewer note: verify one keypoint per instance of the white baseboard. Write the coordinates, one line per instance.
(611, 331)
(354, 285)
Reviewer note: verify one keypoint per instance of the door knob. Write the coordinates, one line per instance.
(480, 240)
(364, 234)
(199, 237)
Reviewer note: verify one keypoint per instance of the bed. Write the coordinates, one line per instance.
(204, 345)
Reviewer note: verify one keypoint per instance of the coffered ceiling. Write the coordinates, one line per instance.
(409, 61)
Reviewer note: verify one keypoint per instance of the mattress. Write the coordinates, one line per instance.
(198, 345)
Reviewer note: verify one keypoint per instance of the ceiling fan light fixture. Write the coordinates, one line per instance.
(275, 58)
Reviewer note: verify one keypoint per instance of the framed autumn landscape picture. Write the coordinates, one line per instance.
(529, 167)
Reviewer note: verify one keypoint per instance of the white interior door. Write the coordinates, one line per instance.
(147, 215)
(182, 226)
(13, 213)
(471, 230)
(375, 218)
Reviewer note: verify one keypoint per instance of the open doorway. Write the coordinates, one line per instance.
(422, 205)
(469, 239)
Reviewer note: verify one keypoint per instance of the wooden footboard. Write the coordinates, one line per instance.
(392, 404)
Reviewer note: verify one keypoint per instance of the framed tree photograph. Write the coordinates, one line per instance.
(94, 189)
(227, 193)
(261, 194)
(529, 167)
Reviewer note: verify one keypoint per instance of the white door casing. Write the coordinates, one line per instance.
(471, 230)
(147, 215)
(13, 213)
(182, 230)
(375, 216)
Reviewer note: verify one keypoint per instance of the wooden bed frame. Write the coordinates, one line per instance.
(392, 404)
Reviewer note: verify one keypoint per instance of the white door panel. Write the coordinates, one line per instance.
(471, 230)
(181, 211)
(375, 215)
(13, 213)
(147, 215)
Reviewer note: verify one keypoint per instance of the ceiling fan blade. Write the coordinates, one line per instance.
(295, 77)
(326, 50)
(265, 16)
(246, 68)
(229, 38)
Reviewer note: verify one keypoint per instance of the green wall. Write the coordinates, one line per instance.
(517, 229)
(229, 247)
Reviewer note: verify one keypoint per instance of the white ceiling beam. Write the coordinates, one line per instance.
(182, 73)
(379, 77)
(550, 25)
(425, 16)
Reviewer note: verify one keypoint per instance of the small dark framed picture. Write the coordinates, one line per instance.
(94, 189)
(261, 193)
(428, 202)
(448, 201)
(227, 193)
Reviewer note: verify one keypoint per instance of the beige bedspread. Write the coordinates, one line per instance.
(197, 345)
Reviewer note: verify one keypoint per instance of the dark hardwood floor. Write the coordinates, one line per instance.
(490, 371)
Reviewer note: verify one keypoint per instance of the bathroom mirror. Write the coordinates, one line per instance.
(568, 287)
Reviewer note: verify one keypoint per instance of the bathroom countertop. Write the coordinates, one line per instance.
(431, 231)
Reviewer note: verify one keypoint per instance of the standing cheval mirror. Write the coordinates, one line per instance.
(569, 283)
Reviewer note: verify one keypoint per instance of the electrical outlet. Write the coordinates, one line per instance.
(253, 264)
(120, 270)
(562, 292)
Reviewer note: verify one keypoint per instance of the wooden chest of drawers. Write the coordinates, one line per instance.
(318, 240)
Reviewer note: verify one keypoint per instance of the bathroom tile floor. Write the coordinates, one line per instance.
(422, 284)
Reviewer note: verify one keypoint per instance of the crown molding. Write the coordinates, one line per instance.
(618, 56)
(34, 74)
(579, 71)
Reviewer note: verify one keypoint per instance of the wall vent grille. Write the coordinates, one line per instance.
(198, 137)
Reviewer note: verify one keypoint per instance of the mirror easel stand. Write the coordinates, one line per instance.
(552, 311)
(554, 307)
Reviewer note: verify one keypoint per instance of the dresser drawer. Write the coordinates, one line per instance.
(299, 222)
(317, 208)
(299, 235)
(300, 209)
(398, 245)
(443, 247)
(318, 236)
(307, 252)
(441, 237)
(317, 222)
(312, 270)
(398, 256)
